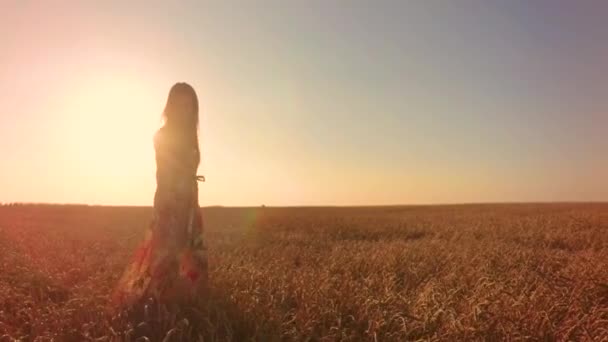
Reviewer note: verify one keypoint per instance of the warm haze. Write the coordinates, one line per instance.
(308, 102)
(321, 121)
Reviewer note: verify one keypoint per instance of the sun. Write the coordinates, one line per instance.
(106, 126)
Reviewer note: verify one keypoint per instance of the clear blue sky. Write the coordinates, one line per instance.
(309, 102)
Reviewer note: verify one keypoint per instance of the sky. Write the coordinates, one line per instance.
(308, 102)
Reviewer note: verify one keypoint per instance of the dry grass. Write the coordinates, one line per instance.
(478, 272)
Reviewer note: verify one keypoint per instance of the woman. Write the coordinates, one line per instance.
(171, 265)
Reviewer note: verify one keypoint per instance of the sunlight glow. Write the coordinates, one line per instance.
(110, 141)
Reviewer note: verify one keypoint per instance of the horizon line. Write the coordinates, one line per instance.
(6, 204)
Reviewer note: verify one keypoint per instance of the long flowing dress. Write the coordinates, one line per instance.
(171, 263)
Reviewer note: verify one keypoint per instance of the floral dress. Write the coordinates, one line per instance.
(171, 263)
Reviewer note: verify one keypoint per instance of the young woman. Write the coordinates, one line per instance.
(171, 264)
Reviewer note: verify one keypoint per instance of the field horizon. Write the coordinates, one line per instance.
(345, 206)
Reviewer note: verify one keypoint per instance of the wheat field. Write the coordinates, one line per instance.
(431, 273)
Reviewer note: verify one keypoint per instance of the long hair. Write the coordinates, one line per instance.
(182, 126)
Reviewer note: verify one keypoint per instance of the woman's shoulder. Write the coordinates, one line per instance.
(162, 133)
(160, 137)
(158, 133)
(165, 139)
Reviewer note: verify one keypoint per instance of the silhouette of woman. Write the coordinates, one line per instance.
(171, 264)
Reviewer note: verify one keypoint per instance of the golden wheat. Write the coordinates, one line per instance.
(474, 272)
